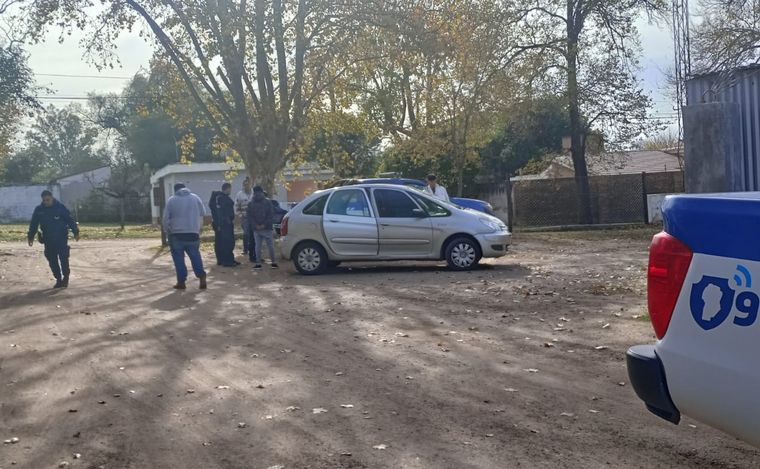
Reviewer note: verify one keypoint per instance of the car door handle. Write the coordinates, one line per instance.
(385, 224)
(334, 221)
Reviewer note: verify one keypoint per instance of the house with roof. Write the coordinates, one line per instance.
(294, 184)
(611, 164)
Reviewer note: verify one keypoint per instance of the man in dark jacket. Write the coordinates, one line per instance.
(223, 213)
(260, 217)
(55, 221)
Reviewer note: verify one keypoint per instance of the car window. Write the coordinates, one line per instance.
(351, 203)
(394, 204)
(433, 209)
(412, 185)
(316, 206)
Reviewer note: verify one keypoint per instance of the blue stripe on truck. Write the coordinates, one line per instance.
(726, 225)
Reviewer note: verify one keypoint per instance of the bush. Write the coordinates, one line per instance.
(100, 208)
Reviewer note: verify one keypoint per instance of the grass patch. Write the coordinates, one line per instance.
(89, 231)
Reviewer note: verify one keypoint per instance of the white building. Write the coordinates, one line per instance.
(204, 178)
(17, 203)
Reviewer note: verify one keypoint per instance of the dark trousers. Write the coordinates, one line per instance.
(249, 241)
(224, 244)
(58, 258)
(190, 245)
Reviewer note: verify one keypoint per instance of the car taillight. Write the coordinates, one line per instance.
(669, 261)
(284, 226)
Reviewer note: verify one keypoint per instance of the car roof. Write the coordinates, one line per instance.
(370, 185)
(381, 181)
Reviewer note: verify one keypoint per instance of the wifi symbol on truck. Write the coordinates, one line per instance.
(740, 269)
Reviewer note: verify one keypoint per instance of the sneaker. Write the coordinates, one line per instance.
(203, 284)
(65, 282)
(58, 284)
(180, 286)
(257, 267)
(275, 266)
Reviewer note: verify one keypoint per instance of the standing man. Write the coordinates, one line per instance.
(260, 217)
(435, 189)
(55, 221)
(223, 214)
(243, 198)
(183, 218)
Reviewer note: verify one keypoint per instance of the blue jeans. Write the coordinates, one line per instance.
(180, 245)
(261, 237)
(249, 243)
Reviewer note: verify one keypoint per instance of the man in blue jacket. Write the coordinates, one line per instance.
(183, 218)
(55, 222)
(223, 214)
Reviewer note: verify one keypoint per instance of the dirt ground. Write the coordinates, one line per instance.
(517, 365)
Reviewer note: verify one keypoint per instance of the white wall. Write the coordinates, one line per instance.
(654, 207)
(76, 188)
(17, 203)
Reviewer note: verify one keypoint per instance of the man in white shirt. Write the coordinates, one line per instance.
(436, 190)
(243, 198)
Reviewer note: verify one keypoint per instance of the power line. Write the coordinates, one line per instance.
(63, 75)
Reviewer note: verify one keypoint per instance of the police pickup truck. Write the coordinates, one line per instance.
(703, 287)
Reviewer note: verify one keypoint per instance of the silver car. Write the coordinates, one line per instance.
(387, 223)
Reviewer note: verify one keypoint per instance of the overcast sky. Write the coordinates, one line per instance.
(52, 58)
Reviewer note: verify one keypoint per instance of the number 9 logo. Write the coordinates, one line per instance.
(749, 304)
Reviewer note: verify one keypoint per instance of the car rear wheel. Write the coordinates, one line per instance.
(463, 253)
(310, 258)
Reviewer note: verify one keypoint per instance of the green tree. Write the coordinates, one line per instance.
(156, 119)
(728, 35)
(17, 91)
(590, 49)
(440, 70)
(533, 129)
(254, 68)
(61, 143)
(345, 142)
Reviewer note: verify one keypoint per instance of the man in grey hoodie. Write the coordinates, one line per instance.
(183, 218)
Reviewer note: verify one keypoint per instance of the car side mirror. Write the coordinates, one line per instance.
(419, 213)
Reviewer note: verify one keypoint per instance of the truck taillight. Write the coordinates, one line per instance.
(669, 261)
(284, 226)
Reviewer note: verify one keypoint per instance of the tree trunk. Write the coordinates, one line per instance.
(578, 147)
(460, 181)
(122, 212)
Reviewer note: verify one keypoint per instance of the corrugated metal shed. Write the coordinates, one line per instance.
(741, 86)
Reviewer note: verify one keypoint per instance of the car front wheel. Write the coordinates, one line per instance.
(463, 254)
(310, 259)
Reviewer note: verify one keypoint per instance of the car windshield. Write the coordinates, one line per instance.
(422, 190)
